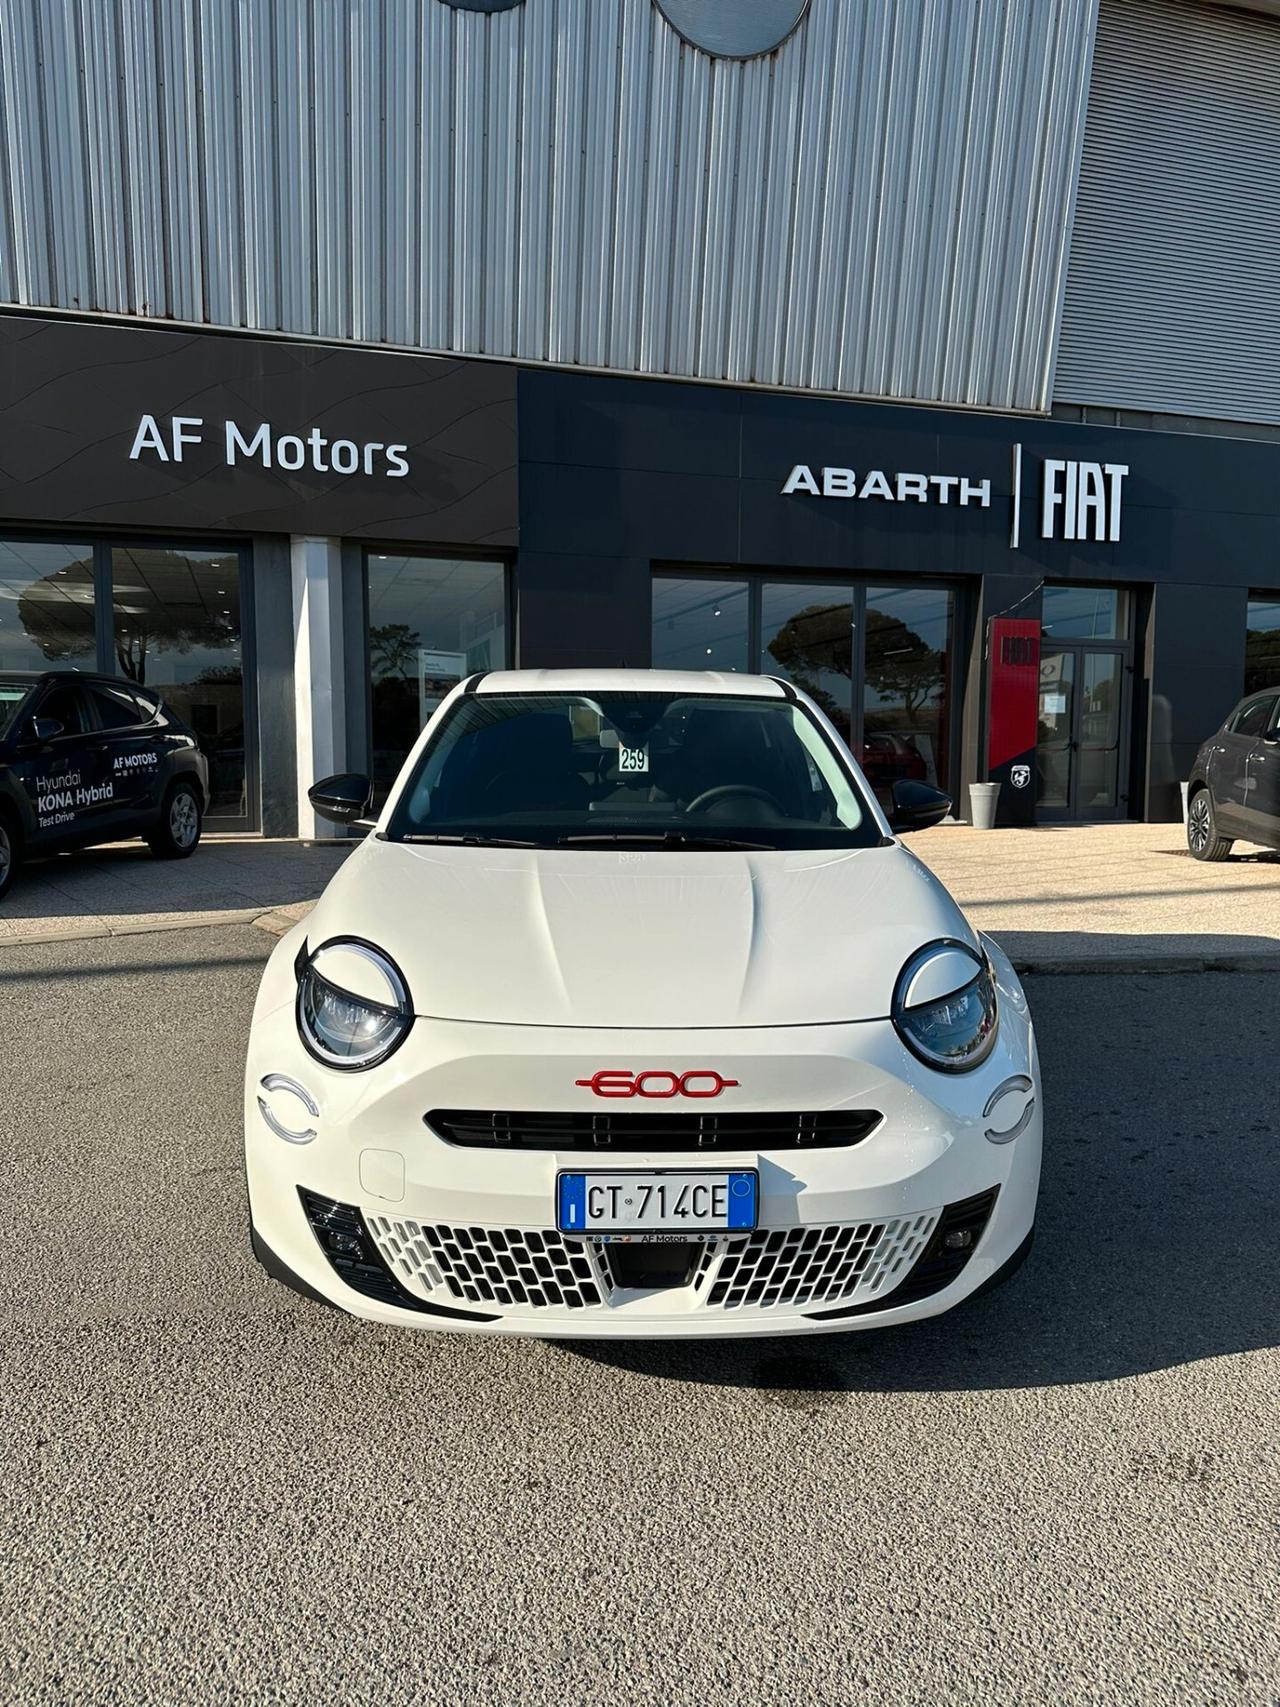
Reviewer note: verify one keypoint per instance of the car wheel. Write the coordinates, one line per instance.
(1202, 829)
(178, 833)
(9, 856)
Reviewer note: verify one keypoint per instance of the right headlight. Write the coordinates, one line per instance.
(341, 1027)
(944, 1006)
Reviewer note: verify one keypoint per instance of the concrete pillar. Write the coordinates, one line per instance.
(319, 672)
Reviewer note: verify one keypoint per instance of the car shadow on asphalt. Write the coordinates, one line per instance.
(1156, 1237)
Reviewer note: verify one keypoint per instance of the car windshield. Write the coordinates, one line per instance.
(641, 769)
(12, 695)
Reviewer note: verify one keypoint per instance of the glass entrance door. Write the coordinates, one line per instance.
(1082, 746)
(1080, 750)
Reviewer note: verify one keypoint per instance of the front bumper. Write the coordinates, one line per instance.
(379, 1216)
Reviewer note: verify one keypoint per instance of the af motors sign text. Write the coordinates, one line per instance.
(141, 427)
(1077, 501)
(263, 444)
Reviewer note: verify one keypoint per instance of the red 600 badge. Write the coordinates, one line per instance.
(657, 1082)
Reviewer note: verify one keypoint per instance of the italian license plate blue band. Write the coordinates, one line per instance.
(573, 1203)
(572, 1214)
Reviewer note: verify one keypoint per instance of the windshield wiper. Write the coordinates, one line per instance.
(468, 841)
(664, 839)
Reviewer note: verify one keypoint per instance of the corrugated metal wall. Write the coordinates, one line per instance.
(880, 207)
(1173, 290)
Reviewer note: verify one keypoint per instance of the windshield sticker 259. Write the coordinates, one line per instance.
(59, 798)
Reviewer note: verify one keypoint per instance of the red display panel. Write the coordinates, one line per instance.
(1013, 702)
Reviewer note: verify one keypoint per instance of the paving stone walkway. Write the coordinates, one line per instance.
(122, 890)
(1097, 897)
(1111, 896)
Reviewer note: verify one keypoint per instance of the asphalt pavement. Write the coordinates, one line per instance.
(213, 1491)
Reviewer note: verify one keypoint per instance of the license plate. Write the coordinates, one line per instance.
(644, 1204)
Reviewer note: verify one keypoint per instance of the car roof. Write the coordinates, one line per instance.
(36, 676)
(630, 681)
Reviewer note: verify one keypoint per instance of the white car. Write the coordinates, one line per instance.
(633, 1017)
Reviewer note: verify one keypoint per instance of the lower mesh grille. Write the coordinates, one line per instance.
(935, 1259)
(784, 1269)
(812, 1265)
(492, 1265)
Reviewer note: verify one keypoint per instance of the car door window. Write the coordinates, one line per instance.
(117, 708)
(1255, 718)
(64, 703)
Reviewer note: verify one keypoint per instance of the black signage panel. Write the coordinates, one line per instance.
(138, 427)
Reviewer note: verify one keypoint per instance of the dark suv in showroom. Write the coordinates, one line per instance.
(1234, 790)
(86, 759)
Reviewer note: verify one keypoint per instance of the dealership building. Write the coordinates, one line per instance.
(925, 353)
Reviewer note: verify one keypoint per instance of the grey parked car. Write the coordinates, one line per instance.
(1234, 788)
(87, 759)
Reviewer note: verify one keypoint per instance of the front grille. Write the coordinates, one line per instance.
(606, 1130)
(936, 1260)
(787, 1269)
(812, 1265)
(355, 1257)
(492, 1265)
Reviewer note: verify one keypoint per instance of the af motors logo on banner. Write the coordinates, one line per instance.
(1077, 501)
(167, 439)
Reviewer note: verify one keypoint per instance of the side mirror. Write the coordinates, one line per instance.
(342, 799)
(917, 806)
(46, 728)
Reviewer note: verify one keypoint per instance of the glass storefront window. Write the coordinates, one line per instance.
(46, 605)
(432, 621)
(906, 694)
(176, 628)
(878, 660)
(1262, 643)
(806, 635)
(1085, 613)
(699, 624)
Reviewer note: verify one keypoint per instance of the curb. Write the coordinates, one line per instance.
(276, 922)
(99, 933)
(1110, 965)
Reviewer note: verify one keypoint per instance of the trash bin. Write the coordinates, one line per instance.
(982, 804)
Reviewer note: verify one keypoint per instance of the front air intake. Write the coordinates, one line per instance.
(955, 1238)
(608, 1130)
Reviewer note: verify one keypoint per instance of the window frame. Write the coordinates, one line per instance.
(1267, 695)
(103, 659)
(1257, 596)
(858, 583)
(501, 560)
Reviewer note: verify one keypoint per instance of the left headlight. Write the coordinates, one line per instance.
(944, 1006)
(349, 1028)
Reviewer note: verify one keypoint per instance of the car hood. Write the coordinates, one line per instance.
(641, 939)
